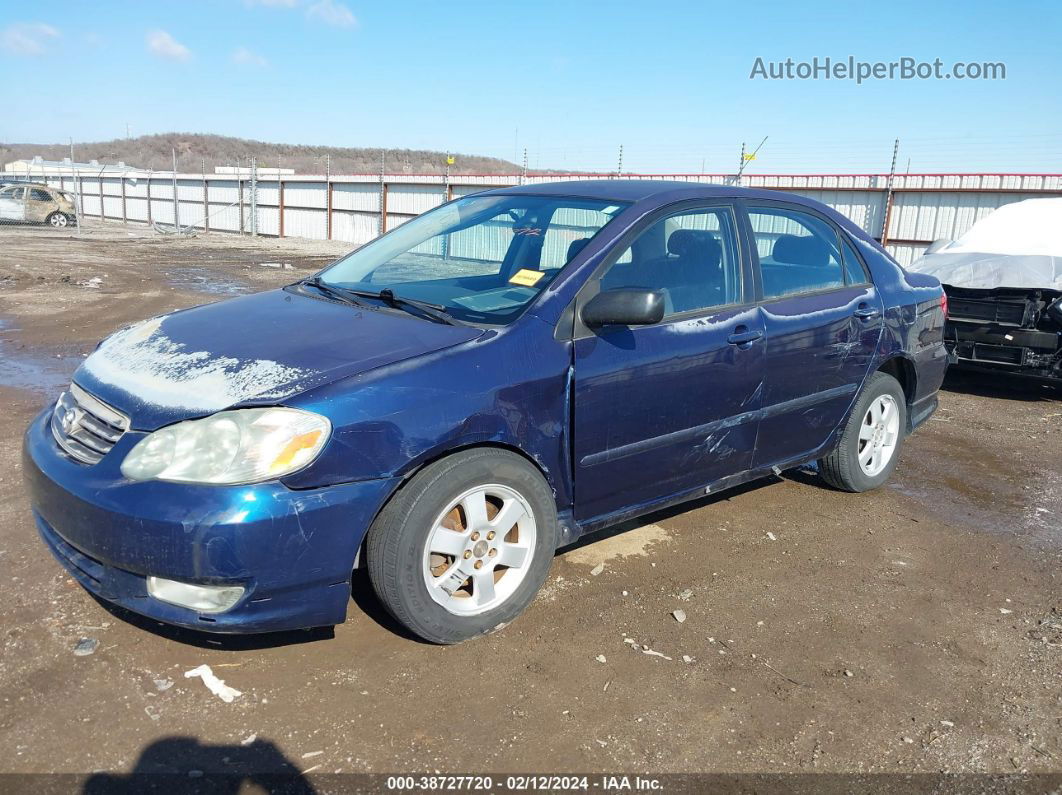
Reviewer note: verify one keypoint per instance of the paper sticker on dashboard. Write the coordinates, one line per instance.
(526, 278)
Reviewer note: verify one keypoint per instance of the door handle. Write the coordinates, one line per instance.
(865, 312)
(744, 336)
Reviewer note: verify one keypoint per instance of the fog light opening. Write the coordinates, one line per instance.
(201, 598)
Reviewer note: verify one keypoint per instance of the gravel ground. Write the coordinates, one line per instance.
(917, 628)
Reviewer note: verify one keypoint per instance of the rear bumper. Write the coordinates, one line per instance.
(293, 551)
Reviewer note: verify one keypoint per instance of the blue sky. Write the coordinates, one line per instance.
(570, 81)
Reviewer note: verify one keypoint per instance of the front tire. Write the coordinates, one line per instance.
(870, 444)
(463, 547)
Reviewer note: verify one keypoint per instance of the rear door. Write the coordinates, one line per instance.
(39, 204)
(667, 408)
(823, 319)
(12, 203)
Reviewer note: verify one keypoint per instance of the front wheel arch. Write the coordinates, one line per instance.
(397, 543)
(418, 466)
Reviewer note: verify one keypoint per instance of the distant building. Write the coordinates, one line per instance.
(245, 171)
(40, 166)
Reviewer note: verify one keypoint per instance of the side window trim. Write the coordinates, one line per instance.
(846, 246)
(592, 285)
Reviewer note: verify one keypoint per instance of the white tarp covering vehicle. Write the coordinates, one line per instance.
(1003, 278)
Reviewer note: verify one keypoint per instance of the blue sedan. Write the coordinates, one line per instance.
(451, 403)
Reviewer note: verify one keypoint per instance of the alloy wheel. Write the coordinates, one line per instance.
(879, 434)
(479, 549)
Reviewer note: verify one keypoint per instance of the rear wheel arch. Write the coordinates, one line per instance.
(902, 369)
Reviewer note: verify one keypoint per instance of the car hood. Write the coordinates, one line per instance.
(257, 349)
(989, 271)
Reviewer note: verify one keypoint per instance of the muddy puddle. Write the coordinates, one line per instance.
(44, 371)
(200, 280)
(971, 486)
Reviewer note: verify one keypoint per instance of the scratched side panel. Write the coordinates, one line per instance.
(914, 320)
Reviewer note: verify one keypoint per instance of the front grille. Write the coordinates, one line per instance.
(85, 427)
(986, 311)
(1000, 354)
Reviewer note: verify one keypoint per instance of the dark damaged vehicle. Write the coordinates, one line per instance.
(1003, 280)
(453, 402)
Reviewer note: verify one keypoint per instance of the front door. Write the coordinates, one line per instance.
(13, 203)
(668, 408)
(823, 319)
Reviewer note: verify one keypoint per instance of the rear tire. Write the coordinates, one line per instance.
(439, 558)
(871, 440)
(57, 220)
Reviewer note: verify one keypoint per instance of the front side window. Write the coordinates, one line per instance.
(482, 258)
(691, 256)
(798, 252)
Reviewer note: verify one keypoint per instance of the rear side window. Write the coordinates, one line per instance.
(38, 195)
(691, 256)
(854, 272)
(798, 252)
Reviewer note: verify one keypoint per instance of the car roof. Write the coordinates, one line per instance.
(653, 193)
(635, 190)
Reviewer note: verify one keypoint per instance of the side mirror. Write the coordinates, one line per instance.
(624, 306)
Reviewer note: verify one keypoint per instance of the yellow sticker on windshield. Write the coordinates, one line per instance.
(526, 278)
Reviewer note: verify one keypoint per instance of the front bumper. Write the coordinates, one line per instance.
(293, 550)
(1022, 351)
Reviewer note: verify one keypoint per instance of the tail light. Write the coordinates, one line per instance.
(944, 304)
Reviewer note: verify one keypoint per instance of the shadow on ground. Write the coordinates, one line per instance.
(183, 764)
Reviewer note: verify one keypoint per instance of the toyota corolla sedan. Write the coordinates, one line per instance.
(453, 402)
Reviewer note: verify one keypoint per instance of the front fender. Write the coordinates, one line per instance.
(508, 387)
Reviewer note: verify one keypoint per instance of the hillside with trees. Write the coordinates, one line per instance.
(196, 151)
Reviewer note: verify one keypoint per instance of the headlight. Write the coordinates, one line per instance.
(239, 446)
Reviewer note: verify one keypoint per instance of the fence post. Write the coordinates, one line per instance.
(239, 195)
(206, 205)
(382, 226)
(888, 195)
(151, 219)
(254, 197)
(280, 206)
(328, 205)
(125, 216)
(80, 206)
(176, 207)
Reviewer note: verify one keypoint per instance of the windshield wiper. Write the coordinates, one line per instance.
(339, 293)
(435, 311)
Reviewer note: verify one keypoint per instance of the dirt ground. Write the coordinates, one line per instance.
(917, 628)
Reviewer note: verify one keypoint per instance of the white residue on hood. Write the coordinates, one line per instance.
(147, 364)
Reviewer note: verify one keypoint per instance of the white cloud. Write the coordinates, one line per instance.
(331, 13)
(27, 38)
(245, 57)
(162, 44)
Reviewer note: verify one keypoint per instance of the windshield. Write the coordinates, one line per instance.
(482, 259)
